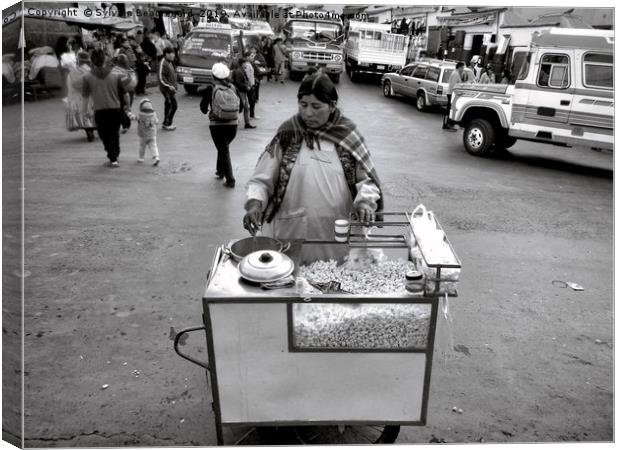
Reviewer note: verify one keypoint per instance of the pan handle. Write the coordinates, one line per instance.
(181, 354)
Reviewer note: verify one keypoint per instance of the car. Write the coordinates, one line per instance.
(426, 81)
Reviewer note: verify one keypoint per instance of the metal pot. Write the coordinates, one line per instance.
(243, 247)
(265, 266)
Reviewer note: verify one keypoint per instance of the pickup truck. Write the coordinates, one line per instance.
(314, 43)
(563, 96)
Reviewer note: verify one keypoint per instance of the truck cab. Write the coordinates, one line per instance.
(204, 46)
(314, 43)
(563, 95)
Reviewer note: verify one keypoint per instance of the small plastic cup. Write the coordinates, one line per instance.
(342, 227)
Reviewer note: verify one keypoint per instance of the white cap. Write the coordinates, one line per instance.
(220, 71)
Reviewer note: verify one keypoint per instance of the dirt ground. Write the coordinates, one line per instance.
(116, 263)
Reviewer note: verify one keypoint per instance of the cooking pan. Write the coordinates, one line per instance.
(243, 247)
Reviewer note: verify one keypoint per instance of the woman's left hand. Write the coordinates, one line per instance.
(365, 213)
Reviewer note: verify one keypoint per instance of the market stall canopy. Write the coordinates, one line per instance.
(90, 23)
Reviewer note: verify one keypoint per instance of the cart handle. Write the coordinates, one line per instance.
(177, 338)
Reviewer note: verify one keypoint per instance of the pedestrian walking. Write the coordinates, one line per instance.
(168, 86)
(142, 67)
(106, 89)
(267, 52)
(147, 131)
(248, 70)
(260, 70)
(487, 76)
(473, 65)
(149, 48)
(279, 58)
(130, 81)
(221, 101)
(79, 114)
(455, 78)
(241, 82)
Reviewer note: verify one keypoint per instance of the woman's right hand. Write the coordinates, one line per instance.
(253, 219)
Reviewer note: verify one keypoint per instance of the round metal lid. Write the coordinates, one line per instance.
(265, 266)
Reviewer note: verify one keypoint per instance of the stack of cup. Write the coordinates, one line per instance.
(342, 227)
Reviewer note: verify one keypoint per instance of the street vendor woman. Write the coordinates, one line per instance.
(315, 170)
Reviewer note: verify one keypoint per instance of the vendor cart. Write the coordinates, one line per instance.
(335, 366)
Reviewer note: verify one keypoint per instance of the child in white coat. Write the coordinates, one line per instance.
(147, 130)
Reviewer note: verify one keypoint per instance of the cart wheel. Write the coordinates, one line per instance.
(359, 434)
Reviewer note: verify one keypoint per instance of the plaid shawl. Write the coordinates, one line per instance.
(339, 130)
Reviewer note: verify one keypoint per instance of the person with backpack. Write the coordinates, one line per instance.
(222, 101)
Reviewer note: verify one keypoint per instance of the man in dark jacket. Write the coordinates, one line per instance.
(106, 89)
(168, 86)
(148, 47)
(240, 80)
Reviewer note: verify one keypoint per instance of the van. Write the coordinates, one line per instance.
(205, 45)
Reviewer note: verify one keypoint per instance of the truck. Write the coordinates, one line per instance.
(371, 48)
(563, 95)
(205, 45)
(316, 43)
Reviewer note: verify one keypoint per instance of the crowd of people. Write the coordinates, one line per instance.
(104, 75)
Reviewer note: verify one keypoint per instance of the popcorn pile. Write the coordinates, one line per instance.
(361, 276)
(361, 326)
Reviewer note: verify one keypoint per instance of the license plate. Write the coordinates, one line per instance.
(381, 67)
(188, 79)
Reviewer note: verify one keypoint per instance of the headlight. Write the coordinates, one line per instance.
(183, 70)
(296, 55)
(337, 58)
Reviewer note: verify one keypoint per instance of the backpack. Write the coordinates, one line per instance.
(224, 103)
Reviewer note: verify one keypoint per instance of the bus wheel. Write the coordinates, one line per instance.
(479, 137)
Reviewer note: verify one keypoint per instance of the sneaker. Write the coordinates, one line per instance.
(156, 162)
(218, 175)
(247, 125)
(169, 127)
(114, 164)
(140, 160)
(230, 184)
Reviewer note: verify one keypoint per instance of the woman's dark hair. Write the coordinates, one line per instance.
(320, 86)
(61, 45)
(460, 64)
(98, 57)
(78, 43)
(168, 50)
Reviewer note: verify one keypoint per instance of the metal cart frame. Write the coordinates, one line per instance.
(384, 241)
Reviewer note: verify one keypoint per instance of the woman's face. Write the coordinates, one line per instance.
(314, 112)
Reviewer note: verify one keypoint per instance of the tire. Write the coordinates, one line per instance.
(191, 89)
(335, 78)
(479, 138)
(353, 75)
(420, 102)
(387, 89)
